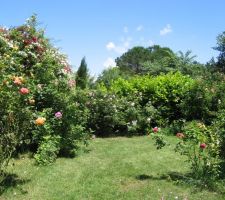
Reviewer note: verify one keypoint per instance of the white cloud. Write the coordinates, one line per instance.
(109, 62)
(110, 46)
(125, 29)
(121, 48)
(139, 28)
(166, 30)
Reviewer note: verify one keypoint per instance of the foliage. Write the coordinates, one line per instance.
(203, 100)
(196, 103)
(219, 129)
(82, 75)
(186, 58)
(115, 115)
(163, 60)
(48, 150)
(36, 87)
(151, 60)
(158, 52)
(220, 65)
(158, 137)
(165, 92)
(132, 106)
(108, 76)
(201, 146)
(157, 67)
(131, 61)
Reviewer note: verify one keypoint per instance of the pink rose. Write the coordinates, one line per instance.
(155, 129)
(24, 91)
(58, 115)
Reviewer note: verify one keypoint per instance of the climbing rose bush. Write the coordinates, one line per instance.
(35, 90)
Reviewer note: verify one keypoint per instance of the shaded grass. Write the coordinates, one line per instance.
(114, 168)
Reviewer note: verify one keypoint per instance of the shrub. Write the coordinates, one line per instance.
(38, 97)
(106, 116)
(113, 114)
(132, 106)
(219, 129)
(165, 92)
(201, 146)
(199, 102)
(48, 150)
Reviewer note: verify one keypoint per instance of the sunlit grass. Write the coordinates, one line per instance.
(113, 168)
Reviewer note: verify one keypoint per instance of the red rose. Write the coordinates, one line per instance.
(24, 91)
(155, 129)
(34, 39)
(203, 146)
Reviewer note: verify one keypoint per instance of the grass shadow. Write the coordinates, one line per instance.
(11, 181)
(171, 176)
(184, 179)
(143, 177)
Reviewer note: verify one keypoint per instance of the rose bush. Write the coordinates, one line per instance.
(114, 115)
(201, 146)
(38, 101)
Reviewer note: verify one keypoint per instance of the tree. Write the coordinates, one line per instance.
(139, 60)
(158, 53)
(186, 58)
(157, 67)
(109, 75)
(220, 65)
(82, 75)
(131, 60)
(187, 64)
(162, 60)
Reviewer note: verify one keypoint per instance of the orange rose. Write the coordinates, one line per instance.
(18, 80)
(40, 121)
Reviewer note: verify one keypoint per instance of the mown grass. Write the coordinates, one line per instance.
(114, 168)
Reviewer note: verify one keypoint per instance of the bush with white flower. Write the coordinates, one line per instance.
(37, 97)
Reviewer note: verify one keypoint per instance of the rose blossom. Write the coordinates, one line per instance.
(58, 115)
(18, 80)
(67, 69)
(40, 121)
(24, 91)
(180, 135)
(155, 129)
(72, 83)
(203, 146)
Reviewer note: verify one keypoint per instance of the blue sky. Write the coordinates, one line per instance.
(102, 30)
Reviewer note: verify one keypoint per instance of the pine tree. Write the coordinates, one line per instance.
(82, 75)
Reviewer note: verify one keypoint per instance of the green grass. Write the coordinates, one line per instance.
(114, 168)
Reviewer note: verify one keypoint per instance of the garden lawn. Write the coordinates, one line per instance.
(113, 168)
